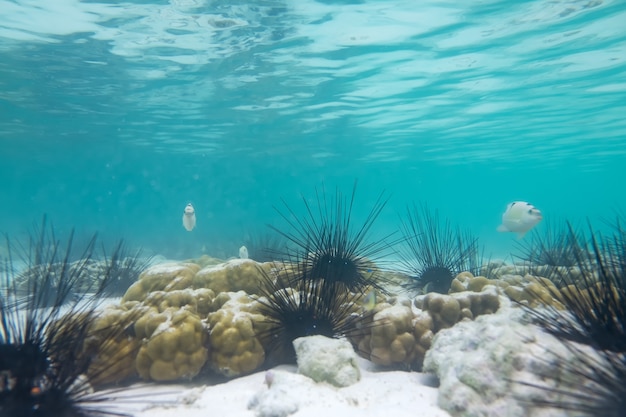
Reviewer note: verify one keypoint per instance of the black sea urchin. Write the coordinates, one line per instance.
(548, 250)
(588, 382)
(43, 373)
(616, 244)
(124, 269)
(594, 300)
(311, 307)
(263, 247)
(592, 326)
(50, 275)
(330, 247)
(436, 252)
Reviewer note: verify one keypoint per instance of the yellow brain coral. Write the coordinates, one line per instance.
(184, 317)
(234, 275)
(173, 346)
(527, 289)
(402, 333)
(174, 339)
(448, 309)
(115, 359)
(444, 310)
(391, 339)
(162, 277)
(234, 339)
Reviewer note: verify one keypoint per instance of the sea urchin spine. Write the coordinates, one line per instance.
(43, 365)
(331, 248)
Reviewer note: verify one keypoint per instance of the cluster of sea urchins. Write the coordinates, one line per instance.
(592, 327)
(329, 264)
(44, 368)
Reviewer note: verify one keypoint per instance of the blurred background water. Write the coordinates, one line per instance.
(114, 115)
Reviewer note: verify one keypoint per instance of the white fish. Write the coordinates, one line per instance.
(519, 218)
(189, 218)
(243, 252)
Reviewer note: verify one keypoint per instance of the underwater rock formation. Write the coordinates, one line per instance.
(480, 364)
(324, 359)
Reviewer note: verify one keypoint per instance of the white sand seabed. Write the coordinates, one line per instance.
(378, 393)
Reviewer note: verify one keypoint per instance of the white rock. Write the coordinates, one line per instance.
(480, 364)
(328, 360)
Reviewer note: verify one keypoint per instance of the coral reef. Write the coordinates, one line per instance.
(188, 319)
(399, 332)
(391, 339)
(115, 361)
(183, 326)
(162, 277)
(571, 362)
(173, 337)
(473, 361)
(240, 316)
(234, 338)
(528, 290)
(234, 275)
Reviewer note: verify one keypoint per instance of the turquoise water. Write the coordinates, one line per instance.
(115, 115)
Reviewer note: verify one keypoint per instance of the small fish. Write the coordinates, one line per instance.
(519, 218)
(369, 301)
(189, 218)
(243, 252)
